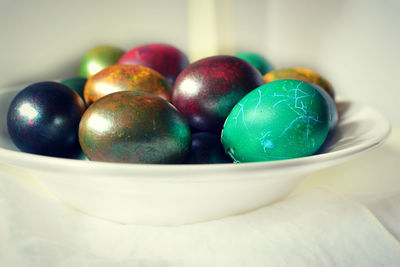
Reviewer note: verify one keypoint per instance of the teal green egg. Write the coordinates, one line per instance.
(75, 83)
(283, 119)
(257, 60)
(97, 59)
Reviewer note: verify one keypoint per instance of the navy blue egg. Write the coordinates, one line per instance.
(207, 149)
(44, 119)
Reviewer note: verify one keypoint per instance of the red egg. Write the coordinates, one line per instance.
(166, 59)
(206, 91)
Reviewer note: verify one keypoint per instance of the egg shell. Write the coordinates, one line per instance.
(283, 119)
(257, 60)
(164, 58)
(117, 78)
(134, 127)
(302, 74)
(75, 83)
(206, 90)
(43, 119)
(98, 58)
(206, 148)
(333, 113)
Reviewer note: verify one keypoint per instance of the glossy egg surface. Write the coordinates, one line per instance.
(302, 74)
(164, 58)
(44, 118)
(279, 120)
(117, 78)
(206, 91)
(134, 127)
(98, 58)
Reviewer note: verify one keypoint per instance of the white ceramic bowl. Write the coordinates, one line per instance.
(181, 194)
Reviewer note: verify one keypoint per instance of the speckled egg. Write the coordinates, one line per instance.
(302, 74)
(257, 60)
(117, 78)
(134, 127)
(279, 120)
(97, 59)
(164, 58)
(43, 119)
(206, 91)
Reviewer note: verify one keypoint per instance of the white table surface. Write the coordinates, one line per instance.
(347, 215)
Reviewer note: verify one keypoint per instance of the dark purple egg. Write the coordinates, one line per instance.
(166, 59)
(44, 119)
(206, 91)
(207, 149)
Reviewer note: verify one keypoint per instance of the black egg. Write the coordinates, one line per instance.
(44, 119)
(207, 149)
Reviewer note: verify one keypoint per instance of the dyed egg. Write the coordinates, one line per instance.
(75, 83)
(302, 74)
(97, 59)
(333, 113)
(207, 148)
(166, 59)
(206, 91)
(134, 127)
(258, 61)
(279, 120)
(126, 78)
(44, 118)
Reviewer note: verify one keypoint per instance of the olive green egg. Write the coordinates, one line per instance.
(97, 59)
(279, 120)
(134, 127)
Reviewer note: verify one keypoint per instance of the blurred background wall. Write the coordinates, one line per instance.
(353, 43)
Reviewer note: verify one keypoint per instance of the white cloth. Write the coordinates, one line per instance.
(343, 216)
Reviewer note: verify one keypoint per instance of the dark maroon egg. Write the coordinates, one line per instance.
(44, 119)
(166, 59)
(206, 91)
(207, 148)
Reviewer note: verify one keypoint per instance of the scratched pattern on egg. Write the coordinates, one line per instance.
(291, 131)
(302, 74)
(295, 101)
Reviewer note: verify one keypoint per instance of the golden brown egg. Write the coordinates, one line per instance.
(301, 74)
(117, 78)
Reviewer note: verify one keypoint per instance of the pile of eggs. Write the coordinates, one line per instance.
(150, 105)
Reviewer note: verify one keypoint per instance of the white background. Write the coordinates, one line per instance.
(354, 44)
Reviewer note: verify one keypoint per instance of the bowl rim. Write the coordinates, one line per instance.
(181, 171)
